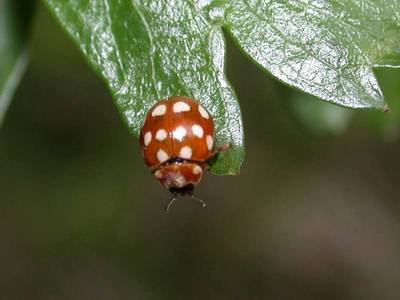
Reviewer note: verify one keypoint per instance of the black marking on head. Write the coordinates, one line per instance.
(185, 190)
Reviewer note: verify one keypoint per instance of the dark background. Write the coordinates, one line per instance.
(313, 215)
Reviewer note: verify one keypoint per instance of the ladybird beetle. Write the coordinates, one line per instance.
(177, 140)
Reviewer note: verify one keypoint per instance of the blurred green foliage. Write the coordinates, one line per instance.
(15, 21)
(318, 117)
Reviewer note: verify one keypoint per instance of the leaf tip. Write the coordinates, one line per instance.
(386, 109)
(235, 172)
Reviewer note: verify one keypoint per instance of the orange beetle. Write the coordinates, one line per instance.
(177, 139)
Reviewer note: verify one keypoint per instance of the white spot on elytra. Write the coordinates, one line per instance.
(180, 107)
(197, 130)
(161, 135)
(159, 110)
(147, 138)
(179, 133)
(162, 156)
(196, 170)
(209, 141)
(186, 152)
(203, 112)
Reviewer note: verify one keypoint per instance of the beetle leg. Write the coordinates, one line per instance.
(204, 204)
(213, 155)
(167, 207)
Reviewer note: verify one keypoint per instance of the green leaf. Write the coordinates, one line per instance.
(15, 17)
(325, 48)
(149, 50)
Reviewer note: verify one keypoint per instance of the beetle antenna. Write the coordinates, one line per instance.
(204, 204)
(167, 207)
